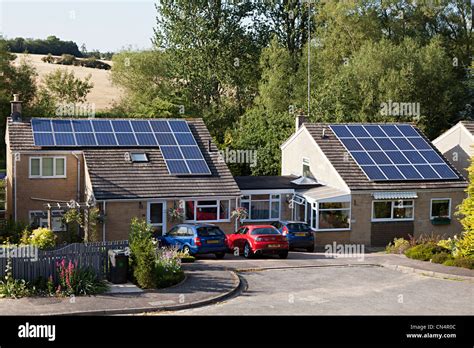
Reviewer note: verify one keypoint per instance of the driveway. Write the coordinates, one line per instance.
(313, 284)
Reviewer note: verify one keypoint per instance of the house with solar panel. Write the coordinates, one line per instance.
(370, 183)
(125, 167)
(456, 145)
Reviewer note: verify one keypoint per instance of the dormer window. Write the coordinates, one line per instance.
(139, 157)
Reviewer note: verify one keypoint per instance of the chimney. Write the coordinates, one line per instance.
(16, 108)
(300, 119)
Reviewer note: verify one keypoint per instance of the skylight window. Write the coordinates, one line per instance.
(139, 157)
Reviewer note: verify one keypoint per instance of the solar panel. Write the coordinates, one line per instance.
(174, 137)
(390, 152)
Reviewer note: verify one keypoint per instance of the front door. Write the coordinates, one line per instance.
(156, 216)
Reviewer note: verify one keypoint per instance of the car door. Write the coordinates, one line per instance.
(233, 238)
(170, 237)
(182, 236)
(241, 238)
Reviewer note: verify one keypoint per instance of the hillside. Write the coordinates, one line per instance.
(102, 95)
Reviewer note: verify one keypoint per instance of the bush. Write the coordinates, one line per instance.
(78, 281)
(142, 253)
(398, 246)
(465, 245)
(11, 287)
(449, 244)
(168, 267)
(12, 231)
(43, 238)
(441, 257)
(66, 59)
(424, 252)
(465, 262)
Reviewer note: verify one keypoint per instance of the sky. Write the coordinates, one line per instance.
(106, 25)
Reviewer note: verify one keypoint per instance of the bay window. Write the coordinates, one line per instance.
(209, 210)
(399, 210)
(262, 206)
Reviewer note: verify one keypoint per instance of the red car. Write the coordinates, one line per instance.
(258, 239)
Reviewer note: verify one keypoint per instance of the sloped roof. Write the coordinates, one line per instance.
(113, 177)
(469, 125)
(353, 175)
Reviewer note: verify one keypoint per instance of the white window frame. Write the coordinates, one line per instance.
(315, 207)
(46, 212)
(195, 206)
(142, 160)
(270, 201)
(148, 217)
(439, 199)
(41, 176)
(305, 162)
(392, 219)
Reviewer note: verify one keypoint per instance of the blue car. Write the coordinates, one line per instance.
(197, 239)
(299, 234)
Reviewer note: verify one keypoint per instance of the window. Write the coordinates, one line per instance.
(139, 157)
(215, 210)
(440, 208)
(40, 219)
(262, 207)
(334, 215)
(392, 210)
(306, 168)
(47, 167)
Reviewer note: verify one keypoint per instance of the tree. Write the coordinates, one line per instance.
(150, 90)
(213, 55)
(465, 244)
(64, 87)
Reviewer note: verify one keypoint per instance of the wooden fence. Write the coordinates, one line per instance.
(29, 263)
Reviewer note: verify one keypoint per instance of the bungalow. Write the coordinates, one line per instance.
(359, 183)
(125, 167)
(456, 145)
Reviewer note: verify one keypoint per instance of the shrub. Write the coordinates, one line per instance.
(12, 231)
(43, 238)
(66, 59)
(75, 280)
(398, 246)
(11, 287)
(465, 262)
(464, 246)
(449, 244)
(441, 257)
(142, 253)
(168, 267)
(424, 252)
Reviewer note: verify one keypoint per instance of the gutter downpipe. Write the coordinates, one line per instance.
(14, 186)
(103, 223)
(78, 177)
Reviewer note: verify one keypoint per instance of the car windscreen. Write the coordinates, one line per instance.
(298, 227)
(209, 231)
(264, 230)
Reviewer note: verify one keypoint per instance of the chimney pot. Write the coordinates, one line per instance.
(16, 108)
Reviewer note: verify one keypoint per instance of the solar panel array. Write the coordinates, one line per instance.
(393, 152)
(174, 138)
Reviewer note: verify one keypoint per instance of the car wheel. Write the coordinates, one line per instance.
(248, 253)
(220, 255)
(310, 249)
(283, 254)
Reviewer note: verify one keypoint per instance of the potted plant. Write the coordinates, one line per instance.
(176, 214)
(240, 214)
